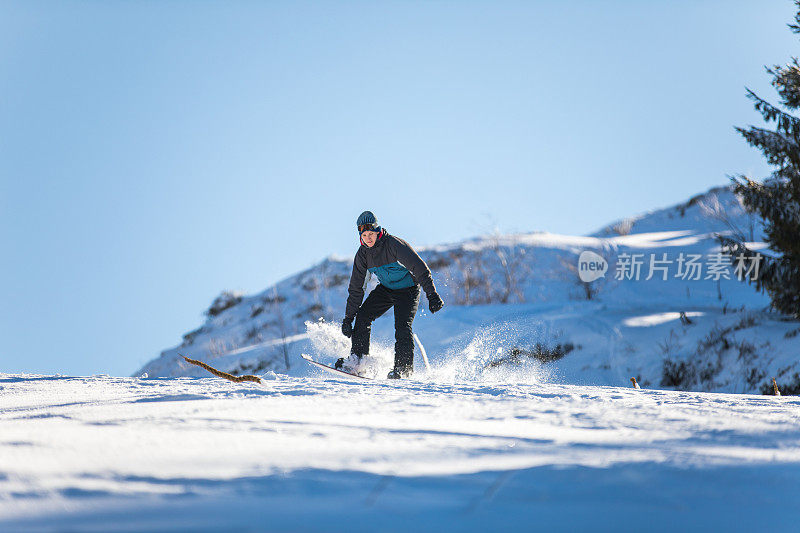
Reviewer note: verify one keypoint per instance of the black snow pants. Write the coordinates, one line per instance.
(405, 302)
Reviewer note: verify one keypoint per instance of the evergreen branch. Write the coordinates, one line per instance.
(786, 80)
(785, 122)
(770, 199)
(796, 27)
(779, 149)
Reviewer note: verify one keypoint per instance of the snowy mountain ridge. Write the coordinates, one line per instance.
(517, 310)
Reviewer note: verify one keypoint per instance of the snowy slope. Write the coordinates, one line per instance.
(508, 295)
(306, 454)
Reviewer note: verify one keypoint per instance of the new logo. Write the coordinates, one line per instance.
(591, 266)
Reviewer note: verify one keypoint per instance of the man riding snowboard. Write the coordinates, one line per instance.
(400, 272)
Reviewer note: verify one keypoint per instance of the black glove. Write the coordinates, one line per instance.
(347, 327)
(435, 302)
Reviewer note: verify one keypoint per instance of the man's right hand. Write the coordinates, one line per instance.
(347, 327)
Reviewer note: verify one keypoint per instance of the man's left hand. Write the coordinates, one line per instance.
(435, 302)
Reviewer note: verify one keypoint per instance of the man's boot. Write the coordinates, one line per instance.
(400, 373)
(350, 365)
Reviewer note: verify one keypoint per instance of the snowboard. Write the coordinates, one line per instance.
(334, 371)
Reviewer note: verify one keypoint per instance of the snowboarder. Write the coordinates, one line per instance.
(400, 272)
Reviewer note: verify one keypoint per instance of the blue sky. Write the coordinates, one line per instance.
(153, 154)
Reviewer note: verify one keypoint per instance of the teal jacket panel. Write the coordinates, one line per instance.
(393, 275)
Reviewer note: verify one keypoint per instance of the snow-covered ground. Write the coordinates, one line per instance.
(317, 454)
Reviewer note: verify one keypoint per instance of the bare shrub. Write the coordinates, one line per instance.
(253, 333)
(334, 280)
(671, 345)
(471, 280)
(678, 374)
(539, 352)
(748, 320)
(277, 310)
(717, 338)
(219, 347)
(712, 208)
(225, 300)
(188, 338)
(438, 262)
(623, 227)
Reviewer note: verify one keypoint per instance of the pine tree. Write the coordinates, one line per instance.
(777, 198)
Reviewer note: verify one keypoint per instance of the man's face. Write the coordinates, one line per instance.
(369, 238)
